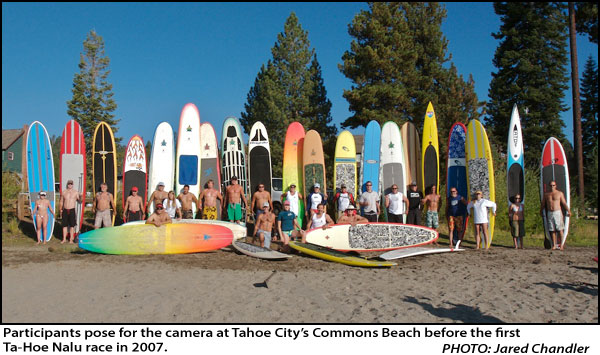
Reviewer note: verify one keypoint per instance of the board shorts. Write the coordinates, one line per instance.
(133, 216)
(210, 213)
(234, 211)
(69, 217)
(187, 214)
(456, 222)
(517, 228)
(103, 218)
(555, 221)
(288, 233)
(267, 236)
(432, 220)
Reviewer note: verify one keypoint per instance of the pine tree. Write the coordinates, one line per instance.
(531, 60)
(589, 128)
(586, 16)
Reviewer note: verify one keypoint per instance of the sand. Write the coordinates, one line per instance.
(65, 284)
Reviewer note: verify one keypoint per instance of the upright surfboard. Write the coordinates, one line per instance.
(211, 166)
(233, 157)
(370, 157)
(554, 167)
(344, 171)
(187, 161)
(392, 162)
(456, 163)
(515, 167)
(72, 165)
(314, 163)
(412, 152)
(480, 168)
(292, 163)
(134, 169)
(430, 152)
(40, 171)
(259, 158)
(162, 161)
(104, 162)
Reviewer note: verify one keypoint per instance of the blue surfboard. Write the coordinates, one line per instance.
(370, 157)
(456, 173)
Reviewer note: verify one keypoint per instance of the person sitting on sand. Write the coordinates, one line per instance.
(208, 201)
(288, 226)
(40, 211)
(172, 206)
(553, 203)
(159, 217)
(134, 205)
(158, 196)
(319, 219)
(103, 203)
(351, 217)
(68, 202)
(516, 219)
(480, 217)
(187, 199)
(264, 226)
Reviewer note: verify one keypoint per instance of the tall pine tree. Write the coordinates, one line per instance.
(589, 128)
(531, 60)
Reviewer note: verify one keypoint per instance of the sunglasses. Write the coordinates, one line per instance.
(394, 188)
(369, 185)
(517, 198)
(159, 208)
(453, 192)
(552, 185)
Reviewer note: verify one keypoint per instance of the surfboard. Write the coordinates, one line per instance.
(162, 161)
(259, 158)
(405, 253)
(293, 164)
(134, 169)
(337, 256)
(392, 162)
(344, 171)
(239, 232)
(148, 239)
(313, 162)
(258, 251)
(515, 166)
(412, 152)
(430, 152)
(73, 166)
(210, 164)
(554, 167)
(480, 168)
(456, 163)
(104, 162)
(371, 236)
(40, 171)
(370, 157)
(233, 158)
(187, 160)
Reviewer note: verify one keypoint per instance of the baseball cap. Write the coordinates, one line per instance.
(351, 207)
(286, 203)
(478, 192)
(42, 193)
(161, 184)
(414, 183)
(234, 178)
(266, 204)
(134, 188)
(343, 186)
(293, 185)
(159, 205)
(318, 185)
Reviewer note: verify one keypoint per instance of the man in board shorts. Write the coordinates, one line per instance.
(103, 203)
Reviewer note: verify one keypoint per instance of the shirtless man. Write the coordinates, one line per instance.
(103, 203)
(186, 199)
(159, 217)
(208, 201)
(259, 198)
(42, 205)
(234, 195)
(553, 203)
(433, 201)
(68, 201)
(158, 196)
(350, 217)
(134, 207)
(264, 225)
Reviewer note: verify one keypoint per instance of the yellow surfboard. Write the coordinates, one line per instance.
(430, 152)
(337, 256)
(344, 171)
(480, 167)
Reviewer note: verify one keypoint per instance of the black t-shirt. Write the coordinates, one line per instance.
(414, 199)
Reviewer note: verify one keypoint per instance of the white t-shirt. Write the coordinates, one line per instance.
(480, 213)
(372, 198)
(171, 211)
(315, 200)
(396, 203)
(343, 201)
(294, 205)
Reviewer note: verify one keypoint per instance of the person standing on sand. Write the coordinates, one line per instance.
(294, 198)
(397, 205)
(264, 226)
(187, 199)
(234, 195)
(369, 201)
(433, 202)
(172, 206)
(133, 207)
(456, 210)
(208, 201)
(159, 217)
(40, 211)
(258, 200)
(343, 199)
(287, 225)
(553, 203)
(480, 217)
(103, 203)
(68, 202)
(350, 217)
(313, 200)
(319, 219)
(158, 196)
(516, 219)
(415, 200)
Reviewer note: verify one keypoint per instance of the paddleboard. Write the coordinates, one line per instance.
(337, 256)
(134, 169)
(162, 161)
(392, 162)
(456, 163)
(554, 167)
(238, 231)
(480, 168)
(259, 158)
(314, 163)
(412, 153)
(430, 153)
(233, 158)
(405, 253)
(40, 171)
(371, 236)
(149, 239)
(344, 171)
(258, 251)
(292, 164)
(209, 158)
(72, 166)
(515, 167)
(370, 157)
(104, 162)
(187, 160)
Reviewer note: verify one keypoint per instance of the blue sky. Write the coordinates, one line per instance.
(166, 55)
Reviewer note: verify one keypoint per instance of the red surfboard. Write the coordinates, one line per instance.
(73, 166)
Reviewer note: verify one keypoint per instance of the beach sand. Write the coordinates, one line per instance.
(54, 283)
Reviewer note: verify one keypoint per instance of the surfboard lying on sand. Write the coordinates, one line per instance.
(337, 256)
(258, 251)
(405, 253)
(238, 231)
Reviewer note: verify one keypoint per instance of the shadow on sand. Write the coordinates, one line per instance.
(458, 312)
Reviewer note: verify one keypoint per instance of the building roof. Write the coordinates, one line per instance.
(10, 136)
(359, 140)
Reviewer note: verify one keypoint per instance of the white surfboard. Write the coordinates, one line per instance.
(188, 152)
(392, 162)
(260, 170)
(258, 251)
(162, 161)
(405, 253)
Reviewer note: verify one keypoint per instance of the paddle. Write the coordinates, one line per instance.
(264, 283)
